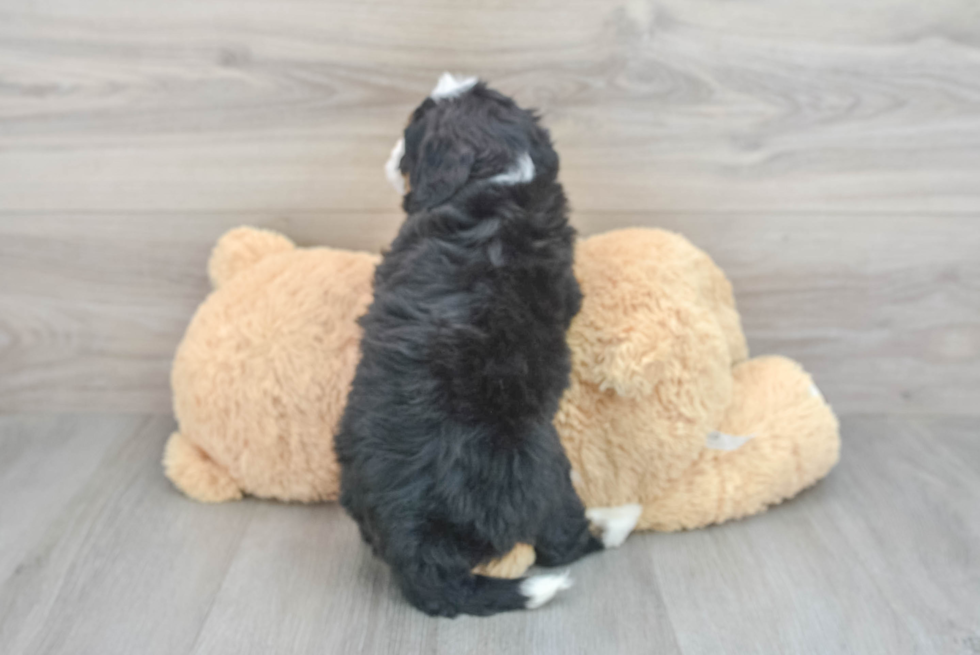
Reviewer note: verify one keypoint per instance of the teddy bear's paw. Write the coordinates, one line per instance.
(614, 523)
(512, 565)
(196, 474)
(539, 589)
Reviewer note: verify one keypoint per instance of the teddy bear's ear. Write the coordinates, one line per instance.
(242, 248)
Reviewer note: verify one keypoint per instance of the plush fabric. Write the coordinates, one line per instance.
(261, 377)
(660, 373)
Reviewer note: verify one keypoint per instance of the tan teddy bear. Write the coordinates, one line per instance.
(664, 408)
(261, 377)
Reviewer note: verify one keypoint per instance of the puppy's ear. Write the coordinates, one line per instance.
(443, 166)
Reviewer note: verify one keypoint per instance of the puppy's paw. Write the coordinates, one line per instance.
(614, 523)
(539, 589)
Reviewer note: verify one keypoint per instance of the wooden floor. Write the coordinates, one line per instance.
(99, 554)
(826, 153)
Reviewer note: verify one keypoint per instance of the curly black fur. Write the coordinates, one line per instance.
(448, 453)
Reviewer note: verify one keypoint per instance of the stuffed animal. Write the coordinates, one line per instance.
(664, 408)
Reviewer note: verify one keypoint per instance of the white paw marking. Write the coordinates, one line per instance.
(721, 441)
(452, 87)
(522, 171)
(539, 589)
(615, 523)
(392, 170)
(815, 392)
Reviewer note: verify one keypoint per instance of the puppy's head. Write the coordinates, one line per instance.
(464, 134)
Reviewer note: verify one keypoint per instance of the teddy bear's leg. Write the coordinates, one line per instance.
(196, 474)
(794, 442)
(512, 565)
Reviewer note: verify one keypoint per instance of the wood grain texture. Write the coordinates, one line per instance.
(930, 470)
(303, 582)
(826, 154)
(667, 106)
(883, 310)
(882, 557)
(44, 462)
(126, 564)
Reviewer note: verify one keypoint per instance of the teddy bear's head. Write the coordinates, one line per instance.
(653, 350)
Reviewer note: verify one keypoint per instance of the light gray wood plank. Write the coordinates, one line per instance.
(910, 517)
(778, 583)
(44, 462)
(870, 561)
(668, 106)
(883, 310)
(740, 126)
(302, 582)
(881, 557)
(129, 565)
(92, 306)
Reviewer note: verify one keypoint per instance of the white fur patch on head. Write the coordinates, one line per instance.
(452, 87)
(522, 171)
(539, 589)
(392, 170)
(615, 523)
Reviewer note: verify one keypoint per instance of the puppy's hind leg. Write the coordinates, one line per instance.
(565, 537)
(614, 523)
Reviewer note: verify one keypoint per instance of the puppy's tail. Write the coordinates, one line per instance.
(481, 595)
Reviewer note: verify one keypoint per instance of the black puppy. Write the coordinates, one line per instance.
(447, 449)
